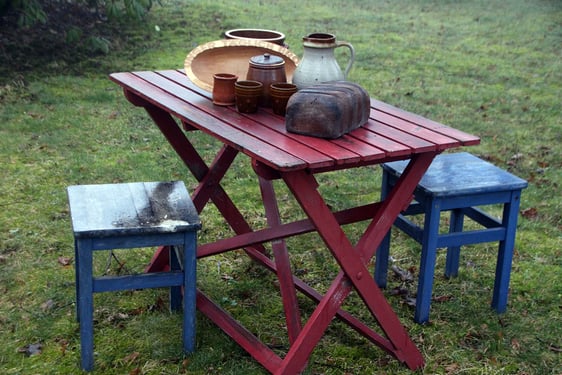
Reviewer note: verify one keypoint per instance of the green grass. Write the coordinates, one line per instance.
(491, 68)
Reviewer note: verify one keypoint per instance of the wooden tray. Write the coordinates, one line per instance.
(231, 56)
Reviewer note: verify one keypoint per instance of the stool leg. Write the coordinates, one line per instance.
(86, 303)
(505, 253)
(428, 257)
(77, 280)
(382, 254)
(189, 291)
(175, 291)
(453, 252)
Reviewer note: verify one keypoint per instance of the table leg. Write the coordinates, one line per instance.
(283, 265)
(209, 177)
(353, 262)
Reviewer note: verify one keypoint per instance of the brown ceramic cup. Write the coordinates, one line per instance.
(223, 88)
(247, 95)
(280, 93)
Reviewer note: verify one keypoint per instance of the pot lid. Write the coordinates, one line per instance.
(267, 60)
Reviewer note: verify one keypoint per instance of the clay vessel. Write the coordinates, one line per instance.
(280, 94)
(248, 94)
(223, 88)
(318, 63)
(270, 36)
(266, 69)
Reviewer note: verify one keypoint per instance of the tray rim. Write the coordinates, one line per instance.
(226, 43)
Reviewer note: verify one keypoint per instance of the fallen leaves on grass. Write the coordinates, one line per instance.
(443, 298)
(65, 261)
(47, 305)
(404, 275)
(530, 213)
(31, 349)
(131, 357)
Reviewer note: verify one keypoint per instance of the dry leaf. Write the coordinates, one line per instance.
(404, 275)
(410, 301)
(31, 349)
(530, 213)
(452, 368)
(398, 291)
(131, 357)
(65, 261)
(442, 298)
(515, 344)
(47, 305)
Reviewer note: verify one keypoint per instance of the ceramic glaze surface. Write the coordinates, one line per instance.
(266, 69)
(319, 63)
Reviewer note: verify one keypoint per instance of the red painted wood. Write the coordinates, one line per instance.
(353, 263)
(282, 262)
(464, 138)
(246, 124)
(390, 134)
(346, 317)
(261, 353)
(188, 112)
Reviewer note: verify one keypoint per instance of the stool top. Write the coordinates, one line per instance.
(461, 173)
(131, 208)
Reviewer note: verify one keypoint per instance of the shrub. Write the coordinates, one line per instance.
(32, 11)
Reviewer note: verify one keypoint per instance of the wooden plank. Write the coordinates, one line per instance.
(341, 155)
(465, 138)
(367, 151)
(390, 147)
(266, 118)
(244, 123)
(237, 139)
(248, 341)
(442, 142)
(414, 143)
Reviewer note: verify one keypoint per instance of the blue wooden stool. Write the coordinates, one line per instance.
(133, 215)
(457, 183)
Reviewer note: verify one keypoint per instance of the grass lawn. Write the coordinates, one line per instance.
(491, 68)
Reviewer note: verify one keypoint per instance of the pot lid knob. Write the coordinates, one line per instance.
(267, 59)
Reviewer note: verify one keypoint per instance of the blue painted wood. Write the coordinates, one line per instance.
(459, 174)
(189, 291)
(122, 216)
(141, 281)
(456, 183)
(112, 210)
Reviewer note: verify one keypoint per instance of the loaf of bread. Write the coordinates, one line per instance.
(328, 110)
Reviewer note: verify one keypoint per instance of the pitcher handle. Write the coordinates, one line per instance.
(351, 58)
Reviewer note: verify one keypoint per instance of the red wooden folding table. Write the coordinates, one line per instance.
(177, 107)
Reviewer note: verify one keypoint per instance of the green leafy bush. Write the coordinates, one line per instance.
(32, 11)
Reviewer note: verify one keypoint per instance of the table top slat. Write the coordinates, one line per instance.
(391, 148)
(341, 155)
(248, 124)
(190, 113)
(465, 138)
(399, 137)
(391, 133)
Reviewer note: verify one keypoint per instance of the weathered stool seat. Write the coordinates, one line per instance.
(134, 215)
(457, 183)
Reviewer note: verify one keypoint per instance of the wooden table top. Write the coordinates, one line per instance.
(390, 133)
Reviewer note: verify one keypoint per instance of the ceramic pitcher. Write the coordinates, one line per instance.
(318, 63)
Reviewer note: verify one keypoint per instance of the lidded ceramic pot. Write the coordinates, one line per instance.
(266, 69)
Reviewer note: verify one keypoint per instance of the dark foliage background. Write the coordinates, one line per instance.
(59, 35)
